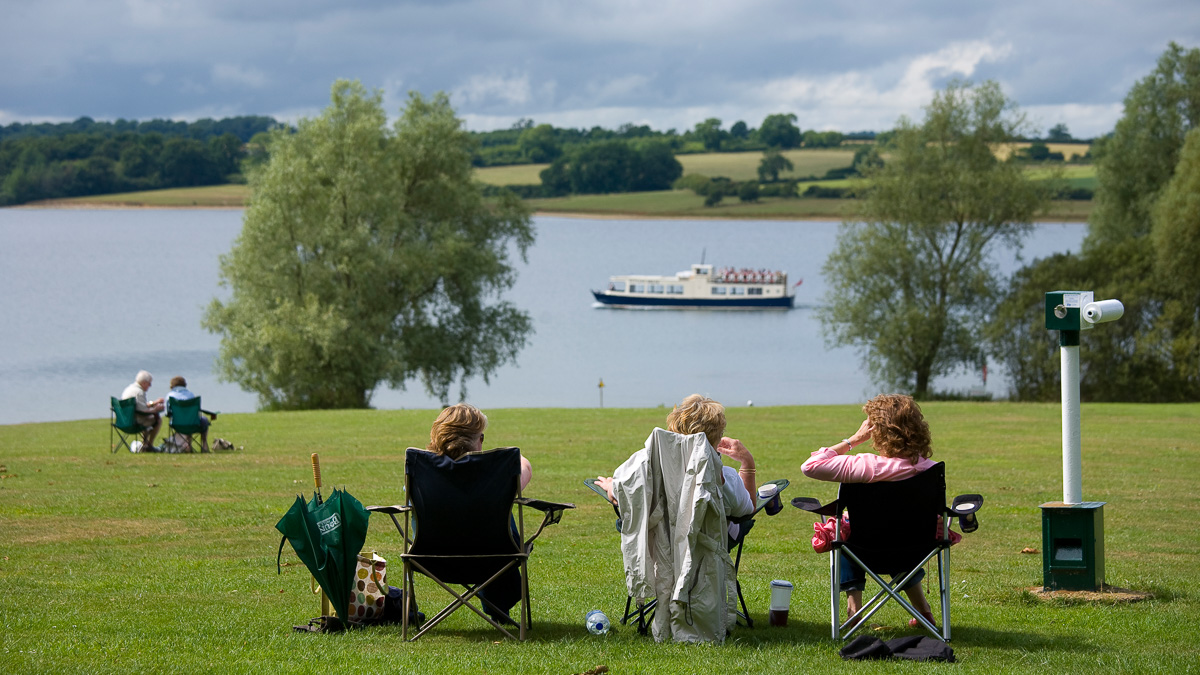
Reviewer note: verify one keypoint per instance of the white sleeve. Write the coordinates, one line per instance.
(737, 499)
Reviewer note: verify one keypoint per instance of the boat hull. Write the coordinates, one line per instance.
(660, 302)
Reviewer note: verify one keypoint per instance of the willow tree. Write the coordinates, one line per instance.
(368, 255)
(911, 283)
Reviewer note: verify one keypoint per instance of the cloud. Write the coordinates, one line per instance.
(1083, 121)
(480, 90)
(874, 99)
(234, 75)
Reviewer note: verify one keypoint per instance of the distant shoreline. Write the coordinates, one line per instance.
(76, 205)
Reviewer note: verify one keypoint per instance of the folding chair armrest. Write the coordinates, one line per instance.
(552, 513)
(760, 503)
(545, 506)
(212, 414)
(963, 505)
(813, 505)
(390, 510)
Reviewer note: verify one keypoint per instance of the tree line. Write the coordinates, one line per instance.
(85, 157)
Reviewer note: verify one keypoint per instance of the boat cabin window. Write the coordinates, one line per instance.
(656, 288)
(737, 290)
(702, 269)
(718, 290)
(675, 289)
(637, 288)
(617, 286)
(754, 291)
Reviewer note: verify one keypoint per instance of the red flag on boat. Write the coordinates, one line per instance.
(798, 283)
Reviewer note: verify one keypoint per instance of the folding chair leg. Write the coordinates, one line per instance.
(835, 582)
(527, 618)
(743, 613)
(944, 583)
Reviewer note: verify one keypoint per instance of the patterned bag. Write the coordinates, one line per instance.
(370, 590)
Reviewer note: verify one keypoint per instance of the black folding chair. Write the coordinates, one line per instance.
(458, 528)
(894, 531)
(644, 613)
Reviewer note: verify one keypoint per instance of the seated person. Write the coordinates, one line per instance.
(457, 431)
(901, 437)
(147, 412)
(180, 392)
(700, 414)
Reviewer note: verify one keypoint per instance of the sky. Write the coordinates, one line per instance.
(846, 66)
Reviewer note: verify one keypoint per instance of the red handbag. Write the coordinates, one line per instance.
(823, 534)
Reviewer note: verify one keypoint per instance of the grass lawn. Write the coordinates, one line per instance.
(132, 563)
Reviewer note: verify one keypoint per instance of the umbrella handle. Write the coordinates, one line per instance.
(316, 467)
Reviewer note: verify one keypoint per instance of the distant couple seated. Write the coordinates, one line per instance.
(680, 556)
(149, 414)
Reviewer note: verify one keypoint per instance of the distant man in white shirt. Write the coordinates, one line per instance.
(149, 413)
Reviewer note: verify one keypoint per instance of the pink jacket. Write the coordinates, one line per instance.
(827, 464)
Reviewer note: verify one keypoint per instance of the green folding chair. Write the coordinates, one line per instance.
(124, 424)
(183, 418)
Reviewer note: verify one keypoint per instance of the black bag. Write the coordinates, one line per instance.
(393, 608)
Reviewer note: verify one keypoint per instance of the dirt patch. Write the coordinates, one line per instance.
(1107, 594)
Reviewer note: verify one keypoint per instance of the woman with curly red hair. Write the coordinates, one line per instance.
(898, 430)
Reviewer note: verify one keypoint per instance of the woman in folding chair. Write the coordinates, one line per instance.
(698, 414)
(901, 437)
(457, 431)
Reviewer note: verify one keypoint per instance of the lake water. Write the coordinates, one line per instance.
(89, 297)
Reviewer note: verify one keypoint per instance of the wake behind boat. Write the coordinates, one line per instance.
(703, 286)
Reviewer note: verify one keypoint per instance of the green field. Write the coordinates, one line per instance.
(232, 196)
(116, 563)
(733, 165)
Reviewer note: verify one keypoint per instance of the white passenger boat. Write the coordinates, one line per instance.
(703, 286)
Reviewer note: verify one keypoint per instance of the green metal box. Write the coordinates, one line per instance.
(1063, 310)
(1073, 546)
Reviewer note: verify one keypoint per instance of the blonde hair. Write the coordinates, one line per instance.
(900, 430)
(698, 414)
(453, 432)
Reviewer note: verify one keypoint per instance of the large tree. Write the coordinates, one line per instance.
(368, 256)
(911, 283)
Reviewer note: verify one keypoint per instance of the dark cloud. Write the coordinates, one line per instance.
(667, 63)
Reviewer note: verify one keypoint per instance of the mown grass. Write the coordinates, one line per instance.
(135, 563)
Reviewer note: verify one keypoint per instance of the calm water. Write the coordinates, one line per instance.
(87, 298)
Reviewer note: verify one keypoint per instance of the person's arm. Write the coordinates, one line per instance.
(526, 472)
(832, 464)
(733, 449)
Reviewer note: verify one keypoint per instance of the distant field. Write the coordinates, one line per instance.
(744, 165)
(1076, 176)
(685, 204)
(733, 165)
(211, 195)
(518, 174)
(1068, 150)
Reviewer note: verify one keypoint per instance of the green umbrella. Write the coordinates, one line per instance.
(327, 536)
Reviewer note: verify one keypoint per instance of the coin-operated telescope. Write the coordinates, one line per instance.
(1073, 530)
